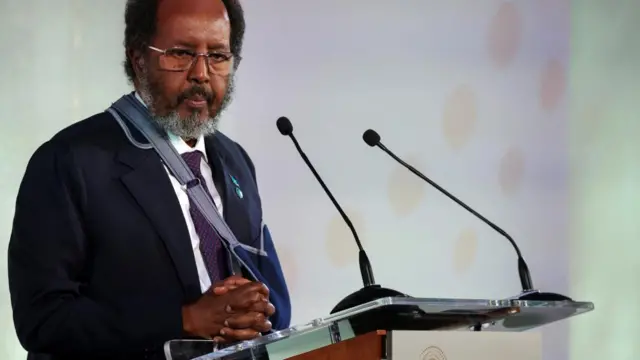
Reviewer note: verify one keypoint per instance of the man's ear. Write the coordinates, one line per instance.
(137, 60)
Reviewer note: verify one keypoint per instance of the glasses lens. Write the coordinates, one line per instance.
(220, 63)
(176, 59)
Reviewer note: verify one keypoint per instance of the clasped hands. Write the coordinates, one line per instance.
(235, 309)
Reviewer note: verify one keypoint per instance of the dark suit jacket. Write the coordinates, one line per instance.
(100, 260)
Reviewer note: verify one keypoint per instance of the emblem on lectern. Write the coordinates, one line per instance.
(433, 353)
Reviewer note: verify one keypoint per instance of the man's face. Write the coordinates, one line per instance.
(187, 103)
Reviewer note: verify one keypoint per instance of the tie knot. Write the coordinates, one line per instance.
(193, 160)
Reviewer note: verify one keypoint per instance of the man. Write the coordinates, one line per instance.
(108, 259)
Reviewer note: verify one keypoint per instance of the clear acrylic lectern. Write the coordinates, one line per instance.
(388, 314)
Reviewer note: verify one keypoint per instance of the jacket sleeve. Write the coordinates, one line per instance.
(271, 269)
(279, 292)
(48, 257)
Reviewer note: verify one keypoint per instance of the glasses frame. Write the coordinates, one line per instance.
(195, 56)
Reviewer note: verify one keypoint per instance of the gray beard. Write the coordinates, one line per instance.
(191, 127)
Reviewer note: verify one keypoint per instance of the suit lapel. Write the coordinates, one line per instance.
(149, 184)
(235, 211)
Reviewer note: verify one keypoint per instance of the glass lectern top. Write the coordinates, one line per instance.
(420, 314)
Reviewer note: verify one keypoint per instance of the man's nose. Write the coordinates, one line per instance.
(199, 71)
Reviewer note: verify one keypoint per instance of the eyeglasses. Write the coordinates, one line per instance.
(176, 59)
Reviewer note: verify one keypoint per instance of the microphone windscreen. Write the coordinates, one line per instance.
(284, 126)
(371, 137)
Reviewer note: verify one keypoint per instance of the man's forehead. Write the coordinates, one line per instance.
(208, 8)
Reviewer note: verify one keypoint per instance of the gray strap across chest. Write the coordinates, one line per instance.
(138, 115)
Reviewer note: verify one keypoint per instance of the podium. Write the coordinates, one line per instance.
(402, 328)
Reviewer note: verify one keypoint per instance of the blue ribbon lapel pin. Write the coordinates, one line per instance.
(239, 193)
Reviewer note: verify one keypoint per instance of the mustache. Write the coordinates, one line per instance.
(196, 90)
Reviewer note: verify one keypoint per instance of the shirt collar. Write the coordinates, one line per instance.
(182, 147)
(177, 142)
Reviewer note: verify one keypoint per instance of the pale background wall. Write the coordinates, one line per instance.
(525, 109)
(605, 167)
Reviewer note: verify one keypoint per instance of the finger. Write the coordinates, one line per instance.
(233, 281)
(246, 295)
(252, 304)
(230, 283)
(259, 298)
(254, 287)
(265, 308)
(221, 290)
(236, 280)
(244, 321)
(245, 303)
(219, 340)
(239, 334)
(263, 326)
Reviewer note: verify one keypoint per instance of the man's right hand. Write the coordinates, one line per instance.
(244, 309)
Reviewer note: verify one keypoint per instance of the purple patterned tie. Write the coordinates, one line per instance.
(213, 252)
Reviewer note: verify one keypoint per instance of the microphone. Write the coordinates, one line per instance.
(372, 138)
(371, 291)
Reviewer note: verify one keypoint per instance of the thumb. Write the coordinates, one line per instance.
(220, 290)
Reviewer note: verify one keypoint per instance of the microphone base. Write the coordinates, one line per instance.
(535, 295)
(396, 316)
(365, 295)
(385, 318)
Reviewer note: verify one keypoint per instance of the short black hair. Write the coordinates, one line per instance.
(140, 18)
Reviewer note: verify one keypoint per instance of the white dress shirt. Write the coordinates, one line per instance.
(182, 147)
